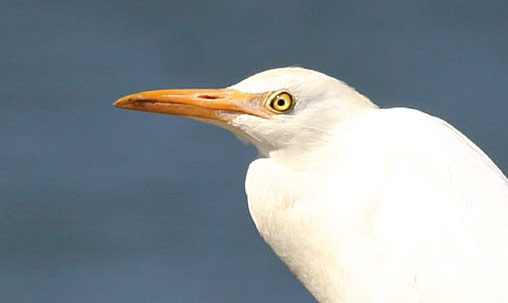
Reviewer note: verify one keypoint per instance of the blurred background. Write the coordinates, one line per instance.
(99, 204)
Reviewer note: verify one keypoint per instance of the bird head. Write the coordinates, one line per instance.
(279, 111)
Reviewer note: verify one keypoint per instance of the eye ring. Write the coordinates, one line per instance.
(281, 102)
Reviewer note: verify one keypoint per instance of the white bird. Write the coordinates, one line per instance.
(362, 204)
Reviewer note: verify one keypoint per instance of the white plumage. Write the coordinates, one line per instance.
(366, 204)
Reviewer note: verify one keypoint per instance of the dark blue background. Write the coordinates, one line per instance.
(104, 205)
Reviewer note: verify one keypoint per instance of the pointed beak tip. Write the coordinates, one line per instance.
(119, 103)
(124, 102)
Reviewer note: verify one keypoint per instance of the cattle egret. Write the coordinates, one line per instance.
(362, 204)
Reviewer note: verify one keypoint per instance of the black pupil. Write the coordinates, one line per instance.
(281, 102)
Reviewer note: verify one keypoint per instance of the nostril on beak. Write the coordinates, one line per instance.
(208, 97)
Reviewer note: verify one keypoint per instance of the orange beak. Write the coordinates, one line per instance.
(210, 104)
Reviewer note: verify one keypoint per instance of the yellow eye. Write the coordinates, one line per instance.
(281, 102)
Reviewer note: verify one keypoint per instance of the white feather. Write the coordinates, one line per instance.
(374, 205)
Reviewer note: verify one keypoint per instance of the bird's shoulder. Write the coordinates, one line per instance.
(430, 148)
(406, 132)
(429, 165)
